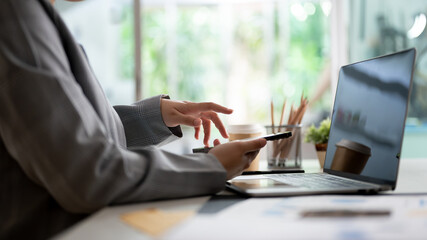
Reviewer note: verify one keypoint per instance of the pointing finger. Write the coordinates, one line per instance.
(196, 132)
(206, 130)
(217, 121)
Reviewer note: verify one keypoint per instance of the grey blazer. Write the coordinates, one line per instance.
(65, 152)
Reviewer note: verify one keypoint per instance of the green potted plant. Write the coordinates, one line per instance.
(319, 136)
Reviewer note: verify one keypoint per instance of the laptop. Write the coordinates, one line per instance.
(366, 134)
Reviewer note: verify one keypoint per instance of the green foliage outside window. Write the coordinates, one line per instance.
(127, 48)
(198, 52)
(305, 58)
(201, 68)
(154, 52)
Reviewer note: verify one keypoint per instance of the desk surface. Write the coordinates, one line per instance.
(106, 223)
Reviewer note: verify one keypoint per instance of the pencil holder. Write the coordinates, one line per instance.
(284, 153)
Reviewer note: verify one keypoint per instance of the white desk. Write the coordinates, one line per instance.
(106, 223)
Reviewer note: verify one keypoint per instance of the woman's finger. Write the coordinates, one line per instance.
(196, 132)
(207, 130)
(217, 121)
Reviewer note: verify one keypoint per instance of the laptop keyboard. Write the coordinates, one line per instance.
(318, 181)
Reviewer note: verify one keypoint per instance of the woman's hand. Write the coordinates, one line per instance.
(175, 113)
(236, 156)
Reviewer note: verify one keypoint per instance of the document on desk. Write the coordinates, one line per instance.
(154, 221)
(314, 217)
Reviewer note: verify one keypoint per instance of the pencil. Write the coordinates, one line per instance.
(291, 113)
(281, 115)
(272, 117)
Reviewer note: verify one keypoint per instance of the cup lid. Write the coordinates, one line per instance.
(245, 128)
(355, 146)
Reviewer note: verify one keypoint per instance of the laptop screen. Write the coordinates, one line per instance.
(368, 118)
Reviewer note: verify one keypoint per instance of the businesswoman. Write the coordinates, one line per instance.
(65, 152)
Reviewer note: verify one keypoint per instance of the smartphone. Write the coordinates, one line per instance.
(276, 136)
(269, 137)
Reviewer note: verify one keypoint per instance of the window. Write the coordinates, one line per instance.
(240, 53)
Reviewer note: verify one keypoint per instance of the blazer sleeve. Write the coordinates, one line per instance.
(53, 132)
(144, 125)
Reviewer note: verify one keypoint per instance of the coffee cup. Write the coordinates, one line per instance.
(350, 156)
(244, 131)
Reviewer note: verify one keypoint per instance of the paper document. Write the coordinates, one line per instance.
(153, 221)
(314, 217)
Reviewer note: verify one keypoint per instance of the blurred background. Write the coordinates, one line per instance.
(246, 53)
